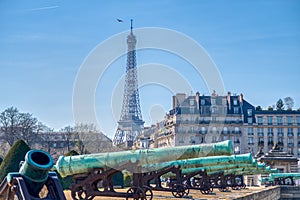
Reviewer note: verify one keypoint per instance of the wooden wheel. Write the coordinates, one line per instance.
(178, 190)
(80, 194)
(148, 193)
(135, 193)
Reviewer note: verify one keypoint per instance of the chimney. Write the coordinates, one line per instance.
(174, 101)
(241, 98)
(197, 99)
(228, 100)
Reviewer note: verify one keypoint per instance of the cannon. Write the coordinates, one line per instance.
(282, 178)
(182, 171)
(69, 165)
(202, 162)
(32, 177)
(222, 176)
(90, 170)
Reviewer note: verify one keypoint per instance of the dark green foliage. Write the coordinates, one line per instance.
(270, 108)
(15, 155)
(1, 159)
(279, 105)
(72, 153)
(118, 179)
(127, 180)
(258, 108)
(65, 182)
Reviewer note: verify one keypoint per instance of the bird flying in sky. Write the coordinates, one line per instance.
(119, 20)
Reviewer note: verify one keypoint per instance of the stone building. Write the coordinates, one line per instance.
(199, 119)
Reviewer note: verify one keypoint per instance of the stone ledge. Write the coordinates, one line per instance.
(268, 193)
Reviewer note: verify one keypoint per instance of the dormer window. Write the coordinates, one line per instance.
(202, 102)
(235, 102)
(192, 102)
(249, 112)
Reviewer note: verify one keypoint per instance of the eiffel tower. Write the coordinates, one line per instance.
(130, 124)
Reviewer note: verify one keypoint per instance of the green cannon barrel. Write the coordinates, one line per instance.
(226, 167)
(69, 165)
(202, 162)
(272, 176)
(35, 170)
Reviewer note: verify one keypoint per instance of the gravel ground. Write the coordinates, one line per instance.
(194, 194)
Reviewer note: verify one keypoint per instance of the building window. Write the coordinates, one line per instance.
(279, 120)
(261, 140)
(290, 151)
(260, 132)
(298, 151)
(249, 120)
(289, 120)
(250, 140)
(249, 112)
(236, 130)
(225, 130)
(213, 109)
(202, 102)
(203, 130)
(290, 141)
(280, 141)
(192, 102)
(270, 141)
(250, 131)
(290, 132)
(270, 132)
(259, 120)
(280, 132)
(235, 110)
(298, 120)
(270, 120)
(235, 102)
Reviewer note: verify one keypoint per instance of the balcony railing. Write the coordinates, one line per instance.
(260, 134)
(280, 134)
(290, 134)
(250, 143)
(270, 134)
(270, 143)
(290, 144)
(236, 132)
(203, 132)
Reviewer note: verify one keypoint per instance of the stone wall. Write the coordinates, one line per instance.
(289, 192)
(268, 193)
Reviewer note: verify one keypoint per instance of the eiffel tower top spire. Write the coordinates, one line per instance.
(130, 124)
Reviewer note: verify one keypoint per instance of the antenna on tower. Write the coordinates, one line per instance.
(131, 24)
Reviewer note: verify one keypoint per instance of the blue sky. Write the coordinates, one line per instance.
(255, 45)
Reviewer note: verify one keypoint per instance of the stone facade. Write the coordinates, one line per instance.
(199, 119)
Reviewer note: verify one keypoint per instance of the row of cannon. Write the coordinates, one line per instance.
(202, 167)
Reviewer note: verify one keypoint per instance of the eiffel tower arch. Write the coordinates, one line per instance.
(131, 124)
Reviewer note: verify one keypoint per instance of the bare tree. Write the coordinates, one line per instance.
(15, 125)
(289, 102)
(9, 121)
(27, 125)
